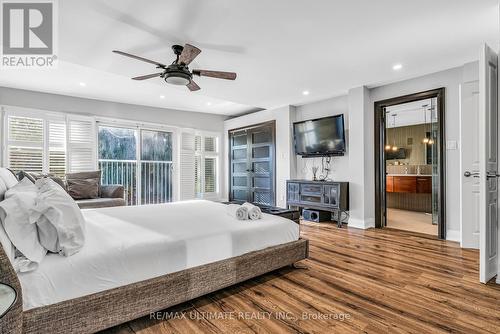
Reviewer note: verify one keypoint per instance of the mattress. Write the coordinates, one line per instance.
(129, 244)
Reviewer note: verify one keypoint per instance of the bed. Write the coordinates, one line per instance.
(142, 259)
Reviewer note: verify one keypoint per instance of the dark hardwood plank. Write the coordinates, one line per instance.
(387, 281)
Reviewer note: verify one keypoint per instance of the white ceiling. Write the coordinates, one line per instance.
(279, 48)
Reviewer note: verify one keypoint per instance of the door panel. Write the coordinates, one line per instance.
(469, 159)
(252, 165)
(262, 148)
(488, 164)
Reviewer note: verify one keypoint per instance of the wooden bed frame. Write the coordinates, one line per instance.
(98, 311)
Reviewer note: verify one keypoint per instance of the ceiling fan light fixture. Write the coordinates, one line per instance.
(179, 79)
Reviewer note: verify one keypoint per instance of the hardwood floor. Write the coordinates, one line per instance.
(413, 221)
(386, 281)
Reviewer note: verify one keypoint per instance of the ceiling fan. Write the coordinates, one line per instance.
(178, 72)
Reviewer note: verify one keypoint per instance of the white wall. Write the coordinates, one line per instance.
(354, 166)
(361, 162)
(357, 166)
(450, 79)
(324, 108)
(284, 167)
(63, 103)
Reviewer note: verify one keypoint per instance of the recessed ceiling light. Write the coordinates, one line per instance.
(209, 104)
(306, 92)
(397, 67)
(162, 96)
(83, 84)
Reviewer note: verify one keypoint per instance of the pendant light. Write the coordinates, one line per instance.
(387, 145)
(394, 147)
(431, 141)
(425, 140)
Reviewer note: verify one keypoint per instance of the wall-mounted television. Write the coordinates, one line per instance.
(320, 137)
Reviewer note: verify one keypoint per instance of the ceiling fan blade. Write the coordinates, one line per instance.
(193, 86)
(140, 58)
(147, 76)
(188, 54)
(215, 74)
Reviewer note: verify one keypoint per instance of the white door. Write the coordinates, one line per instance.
(469, 167)
(488, 164)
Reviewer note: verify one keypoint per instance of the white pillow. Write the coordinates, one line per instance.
(61, 226)
(3, 189)
(8, 178)
(15, 217)
(23, 188)
(7, 245)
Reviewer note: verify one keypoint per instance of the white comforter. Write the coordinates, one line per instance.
(130, 244)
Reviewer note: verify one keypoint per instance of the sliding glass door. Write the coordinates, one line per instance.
(156, 167)
(140, 160)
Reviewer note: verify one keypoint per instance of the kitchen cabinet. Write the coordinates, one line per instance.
(405, 184)
(424, 184)
(389, 183)
(420, 184)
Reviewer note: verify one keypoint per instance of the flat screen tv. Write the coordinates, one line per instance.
(320, 137)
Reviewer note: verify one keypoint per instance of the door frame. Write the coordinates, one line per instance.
(271, 123)
(380, 170)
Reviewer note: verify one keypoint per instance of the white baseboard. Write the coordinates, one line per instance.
(453, 235)
(362, 224)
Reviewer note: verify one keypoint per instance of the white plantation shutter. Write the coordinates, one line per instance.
(35, 141)
(197, 174)
(25, 143)
(187, 166)
(57, 147)
(210, 144)
(210, 175)
(82, 146)
(200, 165)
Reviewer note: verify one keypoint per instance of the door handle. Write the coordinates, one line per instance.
(473, 174)
(490, 175)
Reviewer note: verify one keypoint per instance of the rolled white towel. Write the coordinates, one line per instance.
(253, 211)
(237, 211)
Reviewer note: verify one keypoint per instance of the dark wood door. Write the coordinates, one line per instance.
(252, 164)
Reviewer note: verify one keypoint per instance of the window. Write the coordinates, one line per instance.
(117, 154)
(36, 144)
(140, 159)
(156, 166)
(206, 162)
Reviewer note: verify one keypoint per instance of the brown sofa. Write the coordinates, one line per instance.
(107, 196)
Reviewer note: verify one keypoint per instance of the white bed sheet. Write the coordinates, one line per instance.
(130, 244)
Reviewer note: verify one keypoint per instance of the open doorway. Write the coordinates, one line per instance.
(409, 154)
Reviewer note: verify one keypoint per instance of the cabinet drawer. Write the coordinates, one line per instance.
(311, 188)
(405, 184)
(310, 199)
(424, 184)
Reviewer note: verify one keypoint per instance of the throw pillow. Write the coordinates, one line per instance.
(8, 177)
(83, 188)
(61, 226)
